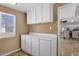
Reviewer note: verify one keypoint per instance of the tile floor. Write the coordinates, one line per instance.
(69, 47)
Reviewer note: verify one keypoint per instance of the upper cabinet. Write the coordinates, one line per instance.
(68, 11)
(31, 16)
(39, 14)
(43, 13)
(47, 13)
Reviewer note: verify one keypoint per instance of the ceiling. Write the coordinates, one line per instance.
(23, 7)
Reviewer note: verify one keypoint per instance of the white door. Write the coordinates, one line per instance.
(35, 46)
(33, 16)
(28, 44)
(38, 14)
(45, 49)
(45, 13)
(23, 41)
(28, 17)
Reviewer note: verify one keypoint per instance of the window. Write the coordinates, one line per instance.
(7, 25)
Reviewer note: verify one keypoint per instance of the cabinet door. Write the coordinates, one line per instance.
(28, 44)
(54, 46)
(28, 17)
(33, 16)
(46, 13)
(38, 14)
(45, 49)
(23, 41)
(35, 46)
(67, 11)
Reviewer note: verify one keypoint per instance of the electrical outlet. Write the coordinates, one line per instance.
(50, 27)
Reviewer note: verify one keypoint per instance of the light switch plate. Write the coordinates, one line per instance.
(50, 27)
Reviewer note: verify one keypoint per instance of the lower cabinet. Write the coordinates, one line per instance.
(28, 44)
(23, 41)
(45, 49)
(35, 46)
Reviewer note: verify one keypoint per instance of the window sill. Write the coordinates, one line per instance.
(7, 35)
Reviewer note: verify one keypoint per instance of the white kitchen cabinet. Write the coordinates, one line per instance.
(35, 46)
(29, 17)
(42, 13)
(39, 14)
(23, 41)
(45, 47)
(68, 11)
(28, 44)
(47, 13)
(33, 16)
(38, 45)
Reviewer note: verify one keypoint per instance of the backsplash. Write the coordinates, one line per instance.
(44, 28)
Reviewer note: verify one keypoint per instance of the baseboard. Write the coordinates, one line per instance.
(11, 52)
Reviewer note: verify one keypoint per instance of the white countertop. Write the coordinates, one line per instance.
(42, 35)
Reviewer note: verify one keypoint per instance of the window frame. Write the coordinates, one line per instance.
(8, 34)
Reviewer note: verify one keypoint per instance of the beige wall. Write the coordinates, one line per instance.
(9, 44)
(45, 27)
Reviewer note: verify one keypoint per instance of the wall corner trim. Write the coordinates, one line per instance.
(11, 52)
